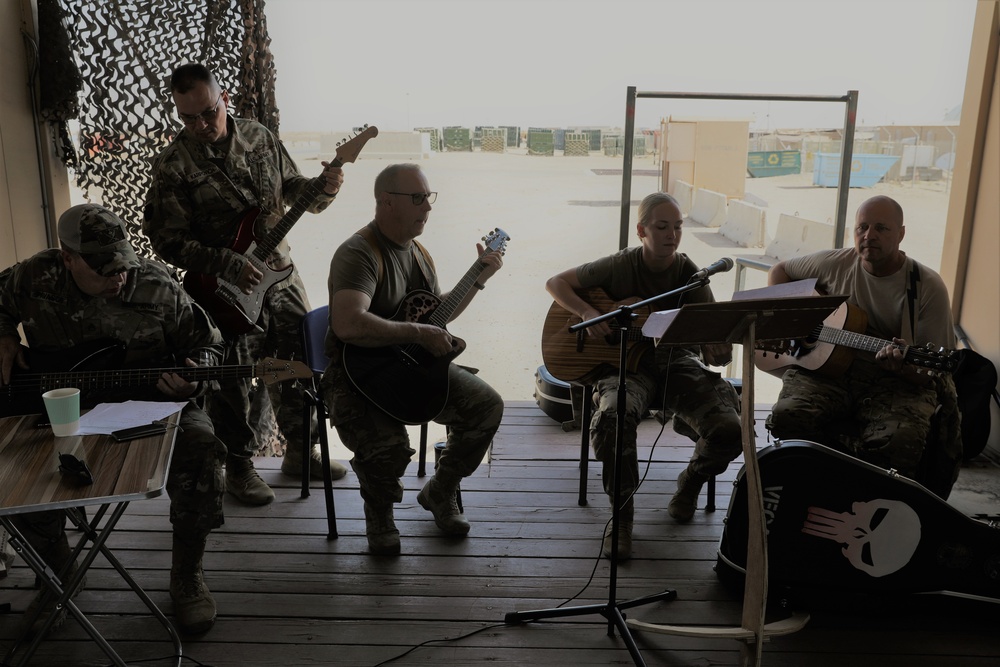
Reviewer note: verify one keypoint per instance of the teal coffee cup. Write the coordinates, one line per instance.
(63, 408)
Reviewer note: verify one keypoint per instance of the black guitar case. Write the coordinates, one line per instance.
(838, 526)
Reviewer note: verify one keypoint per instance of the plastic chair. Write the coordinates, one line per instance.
(314, 327)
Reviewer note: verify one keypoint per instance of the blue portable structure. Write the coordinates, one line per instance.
(867, 169)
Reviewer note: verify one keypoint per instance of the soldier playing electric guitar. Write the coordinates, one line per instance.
(203, 184)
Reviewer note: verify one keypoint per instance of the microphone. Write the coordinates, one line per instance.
(721, 266)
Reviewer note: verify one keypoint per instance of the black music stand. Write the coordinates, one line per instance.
(623, 317)
(744, 321)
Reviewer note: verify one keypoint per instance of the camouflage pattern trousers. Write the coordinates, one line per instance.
(868, 413)
(702, 398)
(381, 445)
(281, 321)
(195, 485)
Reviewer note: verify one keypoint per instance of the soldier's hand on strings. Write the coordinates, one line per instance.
(11, 353)
(491, 262)
(250, 278)
(717, 354)
(891, 357)
(333, 178)
(435, 339)
(174, 386)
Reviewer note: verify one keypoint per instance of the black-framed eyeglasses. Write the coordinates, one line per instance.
(207, 116)
(417, 198)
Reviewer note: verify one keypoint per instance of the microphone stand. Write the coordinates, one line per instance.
(612, 610)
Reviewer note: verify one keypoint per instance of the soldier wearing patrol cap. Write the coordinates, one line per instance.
(94, 289)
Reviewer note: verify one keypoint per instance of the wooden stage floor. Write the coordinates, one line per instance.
(288, 596)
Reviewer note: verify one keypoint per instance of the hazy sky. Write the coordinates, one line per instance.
(401, 64)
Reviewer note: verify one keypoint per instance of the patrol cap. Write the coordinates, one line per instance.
(99, 236)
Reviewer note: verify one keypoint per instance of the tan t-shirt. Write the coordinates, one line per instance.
(884, 299)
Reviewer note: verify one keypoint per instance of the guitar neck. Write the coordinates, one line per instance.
(270, 241)
(125, 378)
(924, 358)
(444, 312)
(857, 341)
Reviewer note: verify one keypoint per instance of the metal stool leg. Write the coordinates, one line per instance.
(422, 457)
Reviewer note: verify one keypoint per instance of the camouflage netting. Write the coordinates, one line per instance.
(107, 64)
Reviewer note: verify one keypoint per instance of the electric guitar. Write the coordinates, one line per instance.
(829, 350)
(406, 381)
(96, 370)
(573, 357)
(234, 311)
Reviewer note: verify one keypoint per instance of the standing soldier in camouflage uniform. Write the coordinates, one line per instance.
(216, 170)
(95, 289)
(675, 379)
(370, 274)
(880, 410)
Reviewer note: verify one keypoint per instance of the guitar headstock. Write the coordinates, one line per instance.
(932, 359)
(496, 241)
(349, 149)
(270, 370)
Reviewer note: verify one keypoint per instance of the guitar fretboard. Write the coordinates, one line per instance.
(857, 341)
(124, 378)
(271, 240)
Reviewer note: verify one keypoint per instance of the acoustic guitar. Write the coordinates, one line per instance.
(576, 356)
(406, 381)
(96, 370)
(234, 311)
(829, 350)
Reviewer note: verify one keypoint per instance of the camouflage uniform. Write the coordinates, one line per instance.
(869, 412)
(380, 443)
(672, 378)
(161, 326)
(197, 198)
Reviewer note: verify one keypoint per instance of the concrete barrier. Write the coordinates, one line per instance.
(684, 194)
(797, 236)
(709, 208)
(793, 237)
(744, 224)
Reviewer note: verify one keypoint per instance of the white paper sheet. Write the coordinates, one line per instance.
(108, 417)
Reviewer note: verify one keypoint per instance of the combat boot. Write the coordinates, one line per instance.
(625, 520)
(245, 484)
(682, 505)
(291, 464)
(383, 536)
(57, 556)
(439, 498)
(194, 606)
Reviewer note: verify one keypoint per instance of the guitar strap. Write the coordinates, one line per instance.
(911, 298)
(424, 261)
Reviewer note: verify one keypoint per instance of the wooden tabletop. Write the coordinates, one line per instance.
(29, 467)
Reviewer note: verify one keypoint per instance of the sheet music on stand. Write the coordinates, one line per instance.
(782, 312)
